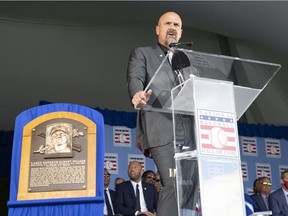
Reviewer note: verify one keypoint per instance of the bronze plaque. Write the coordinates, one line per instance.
(58, 158)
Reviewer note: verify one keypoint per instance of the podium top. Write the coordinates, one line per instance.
(247, 75)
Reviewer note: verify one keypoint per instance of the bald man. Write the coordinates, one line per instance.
(126, 194)
(155, 129)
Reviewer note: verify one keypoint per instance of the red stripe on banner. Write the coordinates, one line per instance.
(205, 136)
(208, 127)
(247, 144)
(231, 148)
(124, 141)
(125, 134)
(231, 139)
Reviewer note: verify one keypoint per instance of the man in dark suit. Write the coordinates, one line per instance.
(278, 200)
(261, 198)
(109, 195)
(155, 129)
(126, 202)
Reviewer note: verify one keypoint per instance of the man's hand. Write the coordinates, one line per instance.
(140, 98)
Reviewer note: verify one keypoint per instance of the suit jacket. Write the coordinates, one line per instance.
(112, 196)
(277, 203)
(153, 128)
(259, 202)
(125, 198)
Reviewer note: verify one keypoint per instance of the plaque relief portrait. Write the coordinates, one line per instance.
(59, 138)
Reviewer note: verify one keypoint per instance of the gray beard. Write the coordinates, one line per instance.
(168, 41)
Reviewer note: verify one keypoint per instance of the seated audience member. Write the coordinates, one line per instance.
(149, 177)
(109, 195)
(261, 198)
(158, 184)
(135, 197)
(256, 186)
(278, 199)
(118, 181)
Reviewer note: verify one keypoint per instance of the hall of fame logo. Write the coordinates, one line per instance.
(263, 170)
(218, 133)
(111, 162)
(122, 136)
(272, 147)
(249, 146)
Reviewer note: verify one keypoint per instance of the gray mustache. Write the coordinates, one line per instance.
(173, 31)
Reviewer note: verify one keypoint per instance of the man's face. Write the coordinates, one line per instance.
(285, 177)
(265, 187)
(169, 29)
(60, 140)
(150, 178)
(284, 181)
(135, 171)
(106, 178)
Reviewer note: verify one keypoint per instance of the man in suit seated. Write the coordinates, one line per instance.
(278, 199)
(126, 201)
(149, 177)
(108, 194)
(261, 198)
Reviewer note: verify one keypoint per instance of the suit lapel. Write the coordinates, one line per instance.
(132, 192)
(166, 65)
(282, 197)
(146, 194)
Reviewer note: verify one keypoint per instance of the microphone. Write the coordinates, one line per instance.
(181, 43)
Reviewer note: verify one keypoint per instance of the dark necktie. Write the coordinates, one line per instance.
(138, 208)
(108, 205)
(180, 78)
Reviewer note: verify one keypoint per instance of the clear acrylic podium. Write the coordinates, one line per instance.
(219, 91)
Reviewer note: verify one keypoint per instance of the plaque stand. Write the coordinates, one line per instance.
(57, 161)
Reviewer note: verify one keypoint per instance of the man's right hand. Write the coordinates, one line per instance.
(140, 98)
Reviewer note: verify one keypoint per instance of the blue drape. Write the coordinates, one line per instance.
(113, 117)
(267, 131)
(128, 119)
